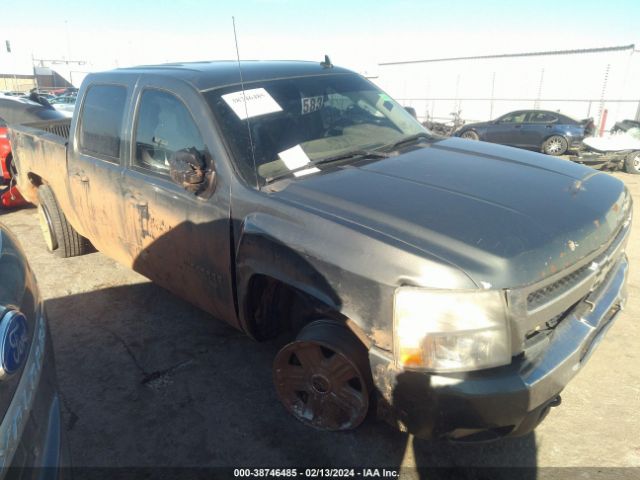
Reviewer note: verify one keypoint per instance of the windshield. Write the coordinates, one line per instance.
(295, 121)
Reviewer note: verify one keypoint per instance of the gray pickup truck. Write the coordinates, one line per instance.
(452, 287)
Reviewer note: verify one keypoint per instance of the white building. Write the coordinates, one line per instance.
(580, 83)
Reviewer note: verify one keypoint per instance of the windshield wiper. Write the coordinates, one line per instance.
(407, 140)
(342, 156)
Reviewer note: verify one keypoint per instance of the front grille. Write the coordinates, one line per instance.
(539, 308)
(597, 269)
(546, 294)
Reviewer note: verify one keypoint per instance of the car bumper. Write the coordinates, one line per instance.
(40, 450)
(504, 401)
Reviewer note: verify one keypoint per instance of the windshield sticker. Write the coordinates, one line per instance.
(259, 102)
(295, 158)
(386, 101)
(311, 104)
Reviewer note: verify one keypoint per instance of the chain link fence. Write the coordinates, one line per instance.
(483, 109)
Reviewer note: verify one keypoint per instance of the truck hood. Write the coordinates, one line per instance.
(504, 216)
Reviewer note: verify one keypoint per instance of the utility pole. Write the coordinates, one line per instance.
(66, 26)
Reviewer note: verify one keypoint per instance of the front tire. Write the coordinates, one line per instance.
(470, 135)
(632, 163)
(323, 378)
(555, 145)
(59, 236)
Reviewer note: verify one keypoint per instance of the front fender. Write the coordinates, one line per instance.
(264, 248)
(350, 269)
(332, 273)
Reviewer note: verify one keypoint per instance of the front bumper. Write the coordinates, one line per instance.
(509, 400)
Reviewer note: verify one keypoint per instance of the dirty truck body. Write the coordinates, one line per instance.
(462, 284)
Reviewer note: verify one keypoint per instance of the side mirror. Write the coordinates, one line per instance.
(188, 168)
(412, 111)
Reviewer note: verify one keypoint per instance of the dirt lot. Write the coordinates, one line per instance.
(147, 379)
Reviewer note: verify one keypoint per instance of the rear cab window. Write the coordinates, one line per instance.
(101, 121)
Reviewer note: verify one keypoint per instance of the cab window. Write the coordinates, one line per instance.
(101, 124)
(163, 127)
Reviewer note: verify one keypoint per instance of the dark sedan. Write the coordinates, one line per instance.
(550, 132)
(31, 431)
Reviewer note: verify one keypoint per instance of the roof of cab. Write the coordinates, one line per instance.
(215, 74)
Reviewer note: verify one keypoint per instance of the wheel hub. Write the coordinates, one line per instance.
(320, 384)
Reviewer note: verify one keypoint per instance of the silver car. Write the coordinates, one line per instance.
(31, 429)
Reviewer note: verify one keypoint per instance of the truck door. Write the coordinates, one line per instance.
(95, 166)
(178, 238)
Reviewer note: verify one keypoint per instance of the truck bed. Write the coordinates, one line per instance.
(39, 151)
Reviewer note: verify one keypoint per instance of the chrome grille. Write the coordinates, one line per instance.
(557, 288)
(538, 308)
(594, 271)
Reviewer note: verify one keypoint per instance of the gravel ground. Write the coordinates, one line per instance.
(146, 379)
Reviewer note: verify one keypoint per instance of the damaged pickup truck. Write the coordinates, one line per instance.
(454, 287)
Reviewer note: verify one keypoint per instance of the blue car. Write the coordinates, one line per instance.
(31, 434)
(549, 132)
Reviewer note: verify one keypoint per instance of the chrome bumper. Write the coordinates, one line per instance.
(575, 338)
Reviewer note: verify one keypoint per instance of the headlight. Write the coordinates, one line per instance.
(449, 331)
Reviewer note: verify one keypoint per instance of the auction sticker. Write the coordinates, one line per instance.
(295, 158)
(311, 104)
(258, 102)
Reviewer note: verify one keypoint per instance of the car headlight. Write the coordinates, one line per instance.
(450, 331)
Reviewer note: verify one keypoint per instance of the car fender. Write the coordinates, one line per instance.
(265, 248)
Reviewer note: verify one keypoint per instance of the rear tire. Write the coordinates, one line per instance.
(470, 135)
(632, 163)
(555, 145)
(59, 236)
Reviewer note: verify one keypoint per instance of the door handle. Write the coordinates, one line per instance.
(136, 201)
(81, 176)
(549, 126)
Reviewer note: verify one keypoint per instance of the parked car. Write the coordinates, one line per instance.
(64, 104)
(550, 132)
(461, 284)
(31, 430)
(64, 99)
(14, 110)
(47, 96)
(616, 151)
(625, 125)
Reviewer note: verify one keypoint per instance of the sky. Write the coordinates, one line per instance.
(356, 34)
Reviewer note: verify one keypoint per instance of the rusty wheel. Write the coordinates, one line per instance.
(323, 377)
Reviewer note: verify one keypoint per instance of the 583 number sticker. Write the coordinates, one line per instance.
(312, 104)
